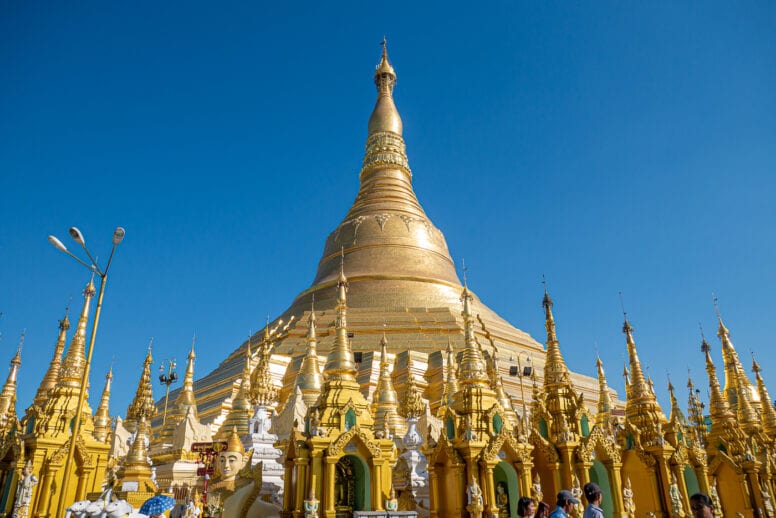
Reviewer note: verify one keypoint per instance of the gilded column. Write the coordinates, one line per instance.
(45, 495)
(301, 477)
(328, 483)
(678, 473)
(433, 497)
(80, 491)
(288, 504)
(616, 488)
(377, 469)
(316, 474)
(524, 480)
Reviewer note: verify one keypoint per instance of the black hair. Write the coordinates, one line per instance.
(702, 498)
(522, 505)
(592, 492)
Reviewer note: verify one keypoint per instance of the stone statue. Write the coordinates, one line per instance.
(475, 493)
(627, 499)
(391, 504)
(194, 507)
(677, 509)
(714, 495)
(576, 490)
(311, 506)
(316, 430)
(502, 500)
(21, 504)
(536, 489)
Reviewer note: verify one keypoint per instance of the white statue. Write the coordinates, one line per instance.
(21, 504)
(677, 509)
(311, 506)
(391, 504)
(627, 498)
(475, 493)
(715, 502)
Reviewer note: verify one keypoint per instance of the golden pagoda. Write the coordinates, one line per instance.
(46, 427)
(402, 278)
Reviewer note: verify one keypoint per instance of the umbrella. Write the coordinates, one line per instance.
(157, 505)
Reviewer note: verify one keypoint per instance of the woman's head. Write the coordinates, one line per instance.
(542, 510)
(525, 506)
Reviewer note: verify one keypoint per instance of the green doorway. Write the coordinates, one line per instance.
(505, 481)
(352, 486)
(599, 475)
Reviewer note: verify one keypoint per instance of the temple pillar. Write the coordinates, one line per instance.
(291, 474)
(615, 483)
(329, 479)
(316, 475)
(80, 488)
(753, 482)
(663, 472)
(433, 482)
(524, 479)
(41, 510)
(702, 473)
(566, 468)
(377, 486)
(299, 482)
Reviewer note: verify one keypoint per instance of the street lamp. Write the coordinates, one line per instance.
(78, 237)
(167, 378)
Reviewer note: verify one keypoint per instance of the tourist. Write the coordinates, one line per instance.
(566, 503)
(593, 495)
(526, 507)
(700, 505)
(543, 510)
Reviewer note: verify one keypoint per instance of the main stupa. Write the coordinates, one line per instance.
(402, 279)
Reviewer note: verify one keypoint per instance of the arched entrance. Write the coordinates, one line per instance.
(600, 476)
(505, 476)
(351, 486)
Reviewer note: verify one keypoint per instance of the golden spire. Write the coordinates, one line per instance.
(695, 411)
(385, 117)
(75, 359)
(768, 412)
(142, 406)
(241, 410)
(49, 380)
(676, 413)
(137, 456)
(262, 389)
(451, 381)
(8, 394)
(386, 403)
(339, 363)
(472, 366)
(737, 383)
(555, 370)
(102, 420)
(718, 405)
(641, 405)
(604, 408)
(184, 401)
(309, 379)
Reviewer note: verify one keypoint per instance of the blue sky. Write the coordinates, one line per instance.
(613, 146)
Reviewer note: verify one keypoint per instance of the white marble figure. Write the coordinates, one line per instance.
(21, 504)
(410, 473)
(474, 493)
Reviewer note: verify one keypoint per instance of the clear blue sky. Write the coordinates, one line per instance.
(611, 146)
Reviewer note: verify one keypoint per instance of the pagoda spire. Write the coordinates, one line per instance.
(142, 406)
(472, 366)
(102, 420)
(8, 394)
(676, 413)
(768, 412)
(695, 410)
(385, 117)
(241, 410)
(737, 383)
(309, 379)
(556, 371)
(49, 380)
(75, 360)
(339, 363)
(641, 405)
(183, 402)
(604, 407)
(718, 405)
(386, 402)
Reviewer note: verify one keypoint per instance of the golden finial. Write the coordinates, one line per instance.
(339, 362)
(142, 405)
(102, 419)
(75, 358)
(49, 380)
(768, 411)
(385, 117)
(604, 398)
(309, 379)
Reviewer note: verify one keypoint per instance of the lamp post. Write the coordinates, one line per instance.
(167, 378)
(118, 236)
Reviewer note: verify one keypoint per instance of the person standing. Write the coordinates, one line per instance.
(542, 510)
(593, 495)
(566, 502)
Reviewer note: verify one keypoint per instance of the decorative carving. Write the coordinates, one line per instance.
(338, 445)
